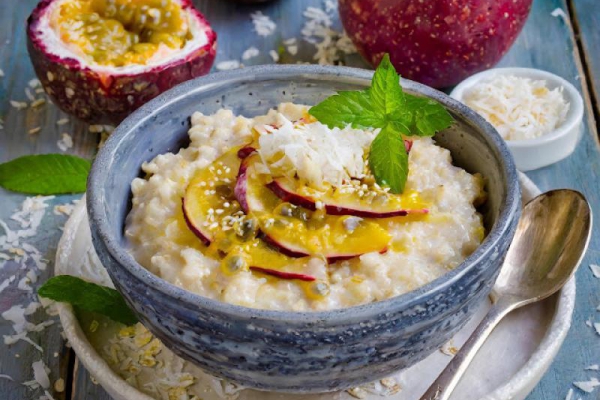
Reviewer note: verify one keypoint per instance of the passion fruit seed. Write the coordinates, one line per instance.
(121, 32)
(248, 229)
(225, 191)
(319, 289)
(351, 223)
(233, 264)
(285, 209)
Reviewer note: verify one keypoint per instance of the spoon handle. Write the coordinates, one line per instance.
(444, 385)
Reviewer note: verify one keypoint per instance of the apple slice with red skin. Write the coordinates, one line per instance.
(201, 200)
(347, 204)
(303, 234)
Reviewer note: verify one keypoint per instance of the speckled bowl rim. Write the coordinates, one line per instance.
(98, 218)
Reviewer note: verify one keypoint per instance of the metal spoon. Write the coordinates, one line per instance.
(550, 241)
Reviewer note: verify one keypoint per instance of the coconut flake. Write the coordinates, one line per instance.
(587, 386)
(595, 270)
(519, 108)
(1, 73)
(559, 12)
(228, 65)
(249, 53)
(19, 105)
(594, 367)
(263, 25)
(65, 142)
(597, 327)
(330, 44)
(64, 121)
(274, 55)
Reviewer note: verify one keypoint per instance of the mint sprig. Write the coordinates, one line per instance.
(386, 106)
(45, 174)
(89, 297)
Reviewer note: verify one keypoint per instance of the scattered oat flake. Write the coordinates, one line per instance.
(559, 12)
(19, 105)
(569, 395)
(33, 131)
(65, 142)
(38, 102)
(227, 65)
(274, 55)
(40, 374)
(357, 392)
(59, 385)
(64, 121)
(587, 386)
(263, 25)
(250, 53)
(595, 270)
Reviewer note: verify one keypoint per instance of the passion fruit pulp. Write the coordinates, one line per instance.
(99, 60)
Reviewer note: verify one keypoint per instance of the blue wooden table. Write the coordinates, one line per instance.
(566, 44)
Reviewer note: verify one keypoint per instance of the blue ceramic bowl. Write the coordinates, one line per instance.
(293, 351)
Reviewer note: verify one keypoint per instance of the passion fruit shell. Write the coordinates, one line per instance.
(103, 94)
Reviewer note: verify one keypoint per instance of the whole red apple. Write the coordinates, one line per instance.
(436, 42)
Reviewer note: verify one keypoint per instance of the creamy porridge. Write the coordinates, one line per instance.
(279, 212)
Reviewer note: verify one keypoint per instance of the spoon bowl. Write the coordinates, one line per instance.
(550, 242)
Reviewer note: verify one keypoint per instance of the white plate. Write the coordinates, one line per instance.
(508, 366)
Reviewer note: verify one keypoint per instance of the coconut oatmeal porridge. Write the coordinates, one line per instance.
(280, 212)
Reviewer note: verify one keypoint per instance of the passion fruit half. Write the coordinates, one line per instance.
(99, 60)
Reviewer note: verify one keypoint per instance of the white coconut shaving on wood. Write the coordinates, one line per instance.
(291, 45)
(594, 367)
(228, 65)
(40, 374)
(263, 25)
(274, 55)
(330, 45)
(63, 121)
(559, 12)
(1, 73)
(587, 386)
(597, 327)
(19, 105)
(65, 142)
(249, 53)
(595, 270)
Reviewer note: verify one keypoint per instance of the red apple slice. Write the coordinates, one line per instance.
(336, 202)
(209, 197)
(298, 233)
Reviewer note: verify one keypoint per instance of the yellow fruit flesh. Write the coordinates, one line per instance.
(121, 32)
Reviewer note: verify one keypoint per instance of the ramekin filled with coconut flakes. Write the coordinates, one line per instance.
(539, 114)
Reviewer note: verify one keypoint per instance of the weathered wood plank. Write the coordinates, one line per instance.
(586, 16)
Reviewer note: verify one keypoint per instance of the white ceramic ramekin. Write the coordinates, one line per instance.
(547, 149)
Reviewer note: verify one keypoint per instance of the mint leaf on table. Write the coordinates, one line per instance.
(89, 297)
(385, 105)
(388, 158)
(45, 174)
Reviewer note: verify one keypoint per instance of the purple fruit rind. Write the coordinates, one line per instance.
(107, 99)
(195, 230)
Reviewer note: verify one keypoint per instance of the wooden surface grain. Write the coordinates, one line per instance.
(547, 42)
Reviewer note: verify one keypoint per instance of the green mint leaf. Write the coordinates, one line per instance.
(388, 159)
(45, 174)
(386, 93)
(428, 116)
(88, 296)
(352, 108)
